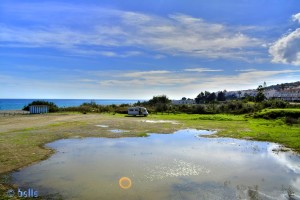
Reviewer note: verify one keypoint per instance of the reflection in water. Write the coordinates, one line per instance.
(160, 121)
(288, 159)
(176, 168)
(165, 166)
(102, 126)
(118, 131)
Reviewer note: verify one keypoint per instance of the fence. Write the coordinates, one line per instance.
(13, 112)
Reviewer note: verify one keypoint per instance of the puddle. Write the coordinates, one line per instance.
(102, 126)
(118, 131)
(160, 121)
(182, 165)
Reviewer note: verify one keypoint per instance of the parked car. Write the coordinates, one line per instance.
(135, 111)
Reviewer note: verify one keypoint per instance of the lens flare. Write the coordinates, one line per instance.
(125, 183)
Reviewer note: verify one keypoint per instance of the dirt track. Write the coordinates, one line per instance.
(17, 122)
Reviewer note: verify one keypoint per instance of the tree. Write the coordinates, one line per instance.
(260, 95)
(211, 97)
(138, 103)
(183, 98)
(249, 97)
(159, 99)
(206, 94)
(265, 84)
(221, 96)
(200, 98)
(160, 103)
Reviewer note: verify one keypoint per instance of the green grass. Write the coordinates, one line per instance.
(240, 126)
(142, 135)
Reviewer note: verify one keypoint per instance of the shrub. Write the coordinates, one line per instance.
(291, 120)
(274, 114)
(121, 110)
(274, 104)
(199, 109)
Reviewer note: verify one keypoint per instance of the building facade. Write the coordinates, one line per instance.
(286, 95)
(183, 102)
(38, 109)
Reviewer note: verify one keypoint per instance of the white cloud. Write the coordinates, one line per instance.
(148, 79)
(176, 34)
(240, 81)
(245, 70)
(203, 70)
(287, 49)
(121, 54)
(144, 73)
(183, 83)
(296, 17)
(136, 84)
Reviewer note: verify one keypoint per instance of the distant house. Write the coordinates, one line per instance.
(38, 109)
(250, 92)
(182, 102)
(288, 94)
(272, 93)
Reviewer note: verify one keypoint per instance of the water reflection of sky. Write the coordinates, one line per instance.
(165, 166)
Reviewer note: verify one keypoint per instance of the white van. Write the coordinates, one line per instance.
(137, 111)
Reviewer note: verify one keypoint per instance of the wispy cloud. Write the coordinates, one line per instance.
(136, 84)
(245, 70)
(175, 35)
(242, 80)
(203, 70)
(185, 82)
(146, 79)
(144, 73)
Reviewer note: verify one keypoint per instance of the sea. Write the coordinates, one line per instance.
(18, 104)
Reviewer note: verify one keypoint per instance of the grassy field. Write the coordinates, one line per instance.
(241, 126)
(23, 137)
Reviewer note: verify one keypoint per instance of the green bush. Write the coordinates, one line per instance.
(121, 110)
(274, 104)
(291, 120)
(199, 109)
(274, 114)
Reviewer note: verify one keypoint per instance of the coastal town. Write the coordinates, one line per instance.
(286, 92)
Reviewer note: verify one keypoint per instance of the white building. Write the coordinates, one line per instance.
(38, 109)
(288, 95)
(183, 102)
(271, 93)
(252, 93)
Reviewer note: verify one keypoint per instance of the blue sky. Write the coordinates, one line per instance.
(137, 49)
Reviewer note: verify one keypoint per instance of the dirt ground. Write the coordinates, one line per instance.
(18, 122)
